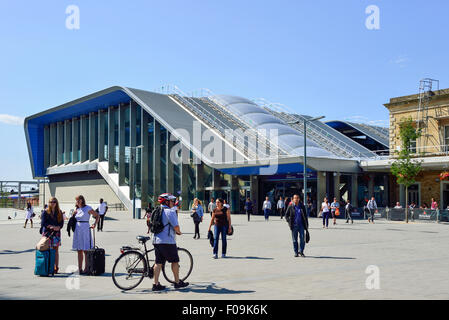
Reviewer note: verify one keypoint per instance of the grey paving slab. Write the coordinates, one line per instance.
(413, 262)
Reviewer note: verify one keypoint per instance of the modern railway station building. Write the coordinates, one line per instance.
(121, 144)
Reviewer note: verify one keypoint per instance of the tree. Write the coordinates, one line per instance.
(404, 168)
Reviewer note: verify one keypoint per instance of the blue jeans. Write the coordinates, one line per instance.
(326, 218)
(302, 243)
(217, 230)
(266, 213)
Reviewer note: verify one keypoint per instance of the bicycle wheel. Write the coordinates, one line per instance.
(185, 266)
(129, 270)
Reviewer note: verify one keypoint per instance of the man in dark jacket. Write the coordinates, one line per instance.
(298, 222)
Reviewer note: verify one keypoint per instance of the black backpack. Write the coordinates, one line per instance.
(156, 220)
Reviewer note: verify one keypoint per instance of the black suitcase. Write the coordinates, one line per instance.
(95, 260)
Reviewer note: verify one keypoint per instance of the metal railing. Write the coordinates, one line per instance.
(318, 135)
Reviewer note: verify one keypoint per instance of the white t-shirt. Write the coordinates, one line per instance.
(325, 207)
(102, 208)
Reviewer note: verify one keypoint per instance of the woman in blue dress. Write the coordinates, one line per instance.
(82, 238)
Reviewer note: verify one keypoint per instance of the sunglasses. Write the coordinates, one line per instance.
(53, 202)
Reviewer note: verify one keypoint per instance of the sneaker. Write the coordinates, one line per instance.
(215, 256)
(296, 255)
(302, 254)
(181, 284)
(223, 256)
(158, 287)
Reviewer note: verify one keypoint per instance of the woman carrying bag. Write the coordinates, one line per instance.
(197, 215)
(52, 223)
(82, 239)
(221, 218)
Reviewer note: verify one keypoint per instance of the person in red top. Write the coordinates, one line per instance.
(434, 204)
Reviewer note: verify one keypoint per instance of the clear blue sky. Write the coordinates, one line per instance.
(317, 57)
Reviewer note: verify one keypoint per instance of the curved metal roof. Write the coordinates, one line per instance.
(255, 116)
(370, 131)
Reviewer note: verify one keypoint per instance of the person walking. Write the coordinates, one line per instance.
(197, 215)
(309, 207)
(29, 215)
(211, 207)
(227, 205)
(266, 208)
(298, 222)
(164, 243)
(325, 209)
(286, 203)
(335, 205)
(248, 207)
(148, 211)
(348, 211)
(280, 207)
(52, 221)
(372, 208)
(102, 209)
(221, 218)
(82, 239)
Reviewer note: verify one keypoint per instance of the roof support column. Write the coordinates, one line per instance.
(354, 190)
(111, 139)
(92, 134)
(46, 147)
(386, 191)
(371, 186)
(321, 188)
(215, 182)
(121, 144)
(170, 166)
(101, 135)
(235, 199)
(60, 143)
(75, 140)
(132, 144)
(156, 160)
(254, 193)
(53, 151)
(83, 138)
(67, 142)
(185, 155)
(337, 176)
(199, 181)
(144, 161)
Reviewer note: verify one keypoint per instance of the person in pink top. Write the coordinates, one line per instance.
(434, 204)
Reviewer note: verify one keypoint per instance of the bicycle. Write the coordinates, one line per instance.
(138, 263)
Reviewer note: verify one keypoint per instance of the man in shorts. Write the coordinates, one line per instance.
(164, 242)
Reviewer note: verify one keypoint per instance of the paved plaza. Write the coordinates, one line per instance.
(413, 262)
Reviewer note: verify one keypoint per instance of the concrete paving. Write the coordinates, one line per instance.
(413, 262)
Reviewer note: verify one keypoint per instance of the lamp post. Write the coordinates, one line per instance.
(305, 153)
(133, 161)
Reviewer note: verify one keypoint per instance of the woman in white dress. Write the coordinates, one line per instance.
(29, 215)
(82, 238)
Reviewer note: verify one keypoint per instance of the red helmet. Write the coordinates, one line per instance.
(165, 198)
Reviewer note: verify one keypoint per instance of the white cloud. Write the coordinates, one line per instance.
(401, 61)
(9, 119)
(365, 120)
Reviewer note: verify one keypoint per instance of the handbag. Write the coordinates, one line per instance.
(232, 231)
(337, 212)
(43, 244)
(307, 236)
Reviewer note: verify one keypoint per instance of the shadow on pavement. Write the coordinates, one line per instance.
(10, 268)
(336, 258)
(16, 252)
(249, 258)
(196, 288)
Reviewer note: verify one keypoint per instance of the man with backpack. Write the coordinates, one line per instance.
(165, 226)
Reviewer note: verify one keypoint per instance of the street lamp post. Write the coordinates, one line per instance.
(133, 161)
(305, 154)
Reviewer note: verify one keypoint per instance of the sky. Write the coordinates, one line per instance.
(316, 57)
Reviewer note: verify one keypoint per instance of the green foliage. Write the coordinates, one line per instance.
(404, 169)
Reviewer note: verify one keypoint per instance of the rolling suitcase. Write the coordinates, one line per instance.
(45, 263)
(95, 260)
